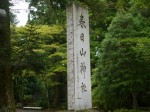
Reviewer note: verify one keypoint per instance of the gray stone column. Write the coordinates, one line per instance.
(78, 56)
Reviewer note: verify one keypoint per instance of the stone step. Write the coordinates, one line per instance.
(34, 108)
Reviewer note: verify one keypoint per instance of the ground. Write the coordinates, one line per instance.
(21, 110)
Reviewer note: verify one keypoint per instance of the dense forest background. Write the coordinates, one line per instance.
(120, 54)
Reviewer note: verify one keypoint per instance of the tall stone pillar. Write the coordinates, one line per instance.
(78, 58)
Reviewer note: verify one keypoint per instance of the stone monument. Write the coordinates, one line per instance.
(78, 58)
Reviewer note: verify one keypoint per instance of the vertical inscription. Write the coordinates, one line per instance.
(82, 37)
(82, 21)
(79, 74)
(82, 52)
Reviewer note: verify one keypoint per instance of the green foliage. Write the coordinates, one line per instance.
(122, 72)
(127, 25)
(38, 52)
(120, 31)
(25, 41)
(48, 12)
(126, 110)
(140, 6)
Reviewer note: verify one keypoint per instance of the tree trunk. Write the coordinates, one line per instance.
(56, 96)
(56, 91)
(6, 89)
(48, 97)
(134, 100)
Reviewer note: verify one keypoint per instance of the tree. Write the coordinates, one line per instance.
(119, 82)
(54, 47)
(26, 61)
(122, 70)
(38, 53)
(48, 12)
(6, 88)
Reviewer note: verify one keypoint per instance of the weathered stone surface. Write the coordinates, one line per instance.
(79, 71)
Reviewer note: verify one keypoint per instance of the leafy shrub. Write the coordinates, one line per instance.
(126, 110)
